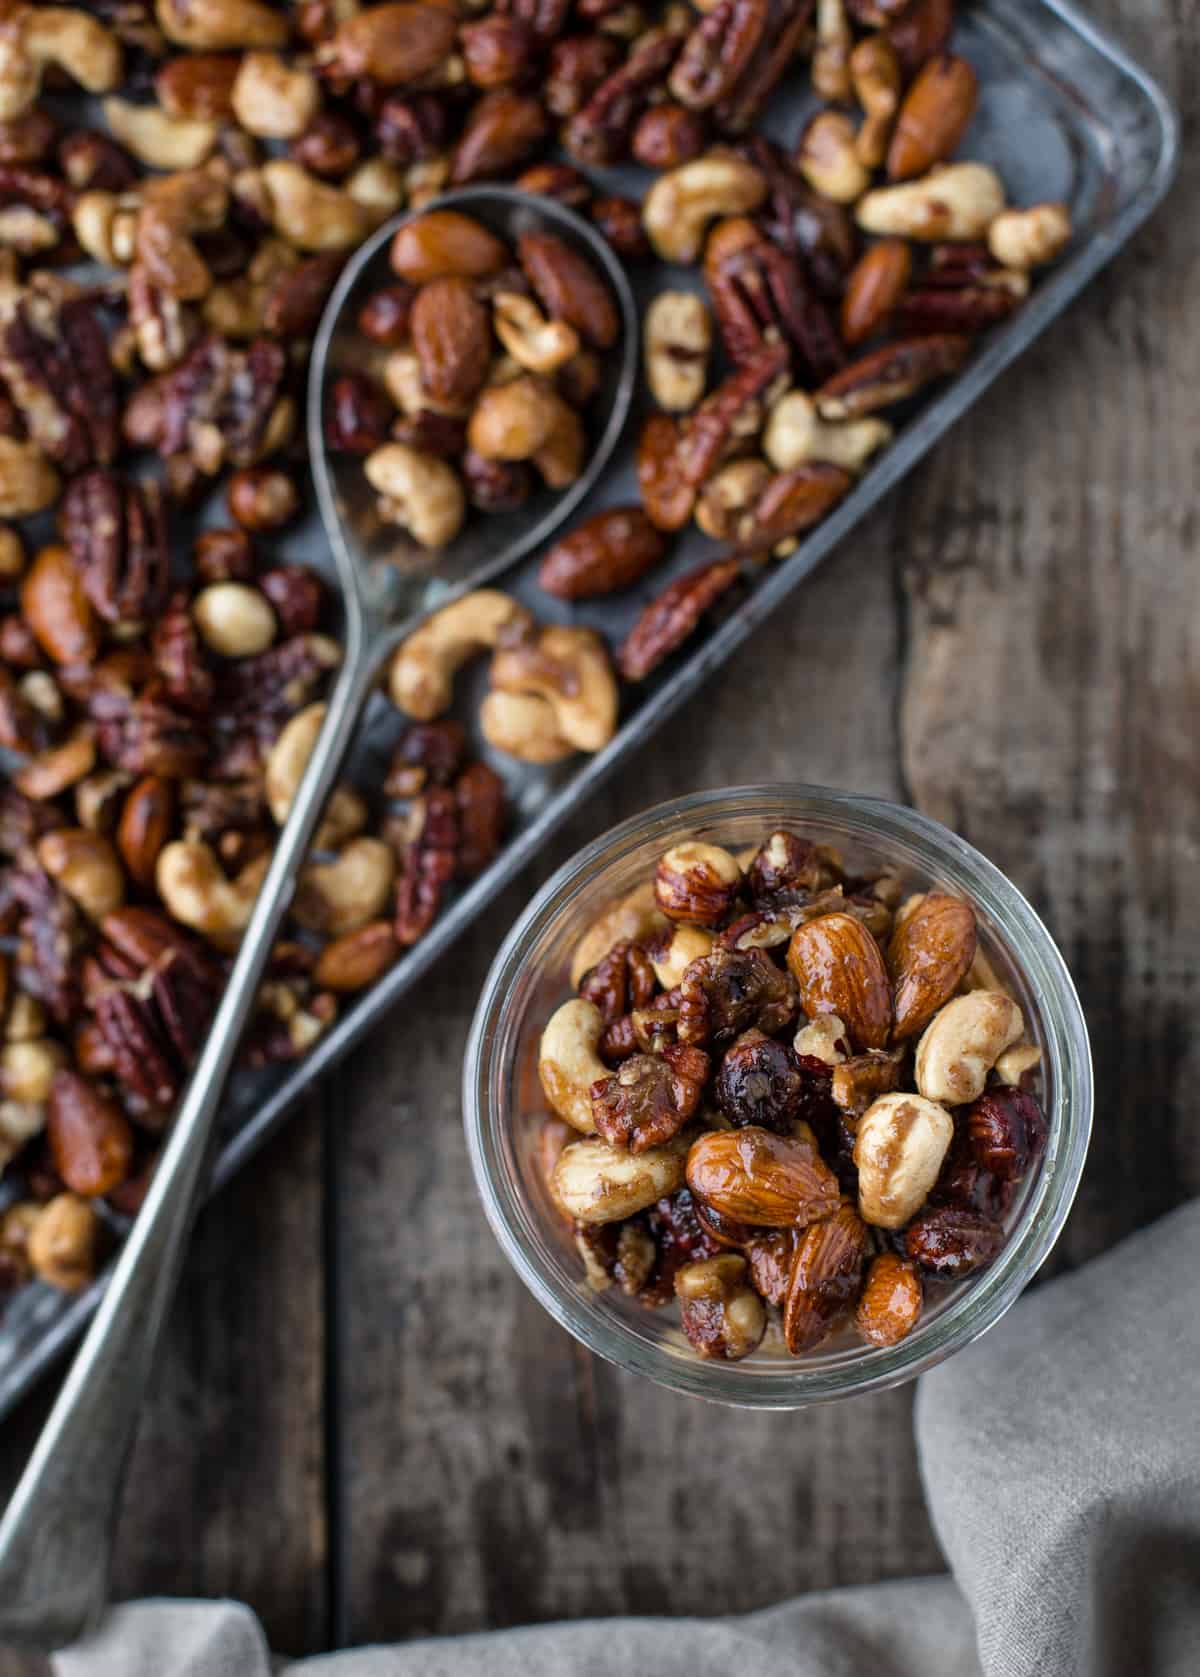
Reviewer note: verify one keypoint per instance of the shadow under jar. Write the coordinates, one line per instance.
(504, 1106)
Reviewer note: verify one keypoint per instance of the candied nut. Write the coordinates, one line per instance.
(558, 181)
(451, 339)
(956, 201)
(357, 415)
(569, 287)
(901, 1142)
(827, 157)
(402, 380)
(419, 491)
(57, 609)
(392, 44)
(27, 1070)
(874, 288)
(1013, 1064)
(823, 1038)
(340, 896)
(861, 1079)
(670, 619)
(890, 374)
(503, 129)
(537, 344)
(678, 342)
(825, 1278)
(158, 140)
(928, 957)
(37, 38)
(356, 959)
(609, 551)
(51, 773)
(875, 75)
(697, 882)
(423, 667)
(795, 433)
(218, 25)
(725, 505)
(673, 948)
(962, 1043)
(831, 54)
(443, 243)
(328, 146)
(223, 555)
(197, 892)
(721, 1314)
(262, 497)
(1007, 1130)
(234, 620)
(760, 1083)
(891, 1300)
(497, 50)
(28, 482)
(310, 213)
(145, 826)
(1028, 238)
(632, 918)
(599, 131)
(272, 99)
(569, 1064)
(649, 1098)
(569, 670)
(667, 498)
(91, 1143)
(838, 968)
(619, 220)
(526, 419)
(523, 726)
(681, 203)
(951, 1241)
(86, 867)
(384, 316)
(596, 1183)
(578, 65)
(933, 117)
(197, 86)
(296, 297)
(667, 136)
(920, 30)
(495, 485)
(62, 1243)
(756, 1177)
(345, 813)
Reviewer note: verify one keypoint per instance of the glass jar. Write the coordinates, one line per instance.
(503, 1104)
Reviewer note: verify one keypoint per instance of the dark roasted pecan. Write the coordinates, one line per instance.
(620, 221)
(546, 18)
(679, 1239)
(330, 146)
(760, 292)
(669, 620)
(147, 735)
(54, 362)
(428, 752)
(357, 415)
(297, 595)
(426, 865)
(600, 132)
(152, 1002)
(503, 130)
(28, 138)
(117, 532)
(271, 686)
(792, 502)
(916, 30)
(180, 657)
(962, 308)
(800, 221)
(224, 555)
(18, 644)
(53, 936)
(730, 991)
(787, 25)
(578, 64)
(718, 51)
(760, 1082)
(384, 316)
(789, 869)
(733, 405)
(412, 127)
(951, 1241)
(214, 407)
(297, 299)
(624, 979)
(891, 374)
(650, 1098)
(858, 1080)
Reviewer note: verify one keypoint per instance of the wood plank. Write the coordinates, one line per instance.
(495, 1473)
(226, 1486)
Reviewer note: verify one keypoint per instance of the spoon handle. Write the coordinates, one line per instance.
(56, 1534)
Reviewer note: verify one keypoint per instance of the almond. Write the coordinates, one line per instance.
(452, 340)
(394, 43)
(929, 955)
(569, 288)
(445, 242)
(91, 1143)
(891, 1300)
(757, 1177)
(824, 1279)
(839, 969)
(933, 118)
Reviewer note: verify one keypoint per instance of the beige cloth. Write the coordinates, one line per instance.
(1061, 1458)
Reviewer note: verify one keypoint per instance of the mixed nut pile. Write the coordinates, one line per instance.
(788, 1098)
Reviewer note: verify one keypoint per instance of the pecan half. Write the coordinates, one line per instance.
(717, 420)
(760, 291)
(890, 374)
(54, 363)
(117, 532)
(601, 131)
(669, 620)
(718, 51)
(793, 501)
(730, 991)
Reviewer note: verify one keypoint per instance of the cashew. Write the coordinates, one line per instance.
(597, 1183)
(1016, 1061)
(682, 202)
(523, 726)
(274, 100)
(340, 896)
(32, 38)
(28, 482)
(955, 201)
(901, 1142)
(728, 495)
(636, 916)
(198, 893)
(688, 944)
(419, 491)
(20, 1121)
(570, 669)
(568, 1063)
(377, 186)
(234, 620)
(526, 419)
(678, 342)
(820, 1039)
(537, 344)
(87, 868)
(158, 140)
(962, 1042)
(310, 214)
(27, 1070)
(402, 381)
(831, 54)
(423, 667)
(796, 433)
(345, 813)
(875, 74)
(215, 25)
(1028, 238)
(827, 157)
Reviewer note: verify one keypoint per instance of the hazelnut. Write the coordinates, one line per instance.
(262, 498)
(234, 620)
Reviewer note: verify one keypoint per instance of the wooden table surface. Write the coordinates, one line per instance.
(365, 1426)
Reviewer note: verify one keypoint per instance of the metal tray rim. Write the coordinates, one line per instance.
(1051, 297)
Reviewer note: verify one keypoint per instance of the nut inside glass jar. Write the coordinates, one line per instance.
(506, 1104)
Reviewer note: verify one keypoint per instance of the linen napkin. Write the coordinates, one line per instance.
(1061, 1459)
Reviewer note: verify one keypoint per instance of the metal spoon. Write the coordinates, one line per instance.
(56, 1534)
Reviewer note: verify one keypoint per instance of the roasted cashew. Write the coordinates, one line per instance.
(345, 813)
(831, 53)
(378, 187)
(681, 203)
(1028, 238)
(523, 726)
(539, 345)
(568, 1063)
(62, 1242)
(678, 332)
(198, 893)
(828, 158)
(901, 1142)
(795, 433)
(962, 1042)
(526, 419)
(105, 223)
(217, 25)
(272, 99)
(954, 201)
(570, 669)
(308, 212)
(158, 140)
(27, 1070)
(86, 867)
(340, 896)
(423, 667)
(688, 944)
(32, 38)
(597, 1183)
(419, 491)
(875, 73)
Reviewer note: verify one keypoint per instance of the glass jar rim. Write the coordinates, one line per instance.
(989, 1295)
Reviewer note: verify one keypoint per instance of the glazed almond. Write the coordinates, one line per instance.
(838, 969)
(929, 955)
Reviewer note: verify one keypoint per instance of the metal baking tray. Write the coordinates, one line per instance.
(1064, 114)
